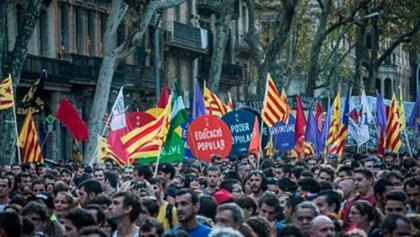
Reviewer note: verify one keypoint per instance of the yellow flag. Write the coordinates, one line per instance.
(6, 93)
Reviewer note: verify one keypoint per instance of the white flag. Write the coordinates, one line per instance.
(365, 118)
(118, 112)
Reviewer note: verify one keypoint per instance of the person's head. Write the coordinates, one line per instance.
(309, 185)
(49, 180)
(321, 226)
(260, 226)
(326, 174)
(396, 224)
(290, 231)
(66, 175)
(273, 185)
(37, 213)
(38, 186)
(23, 182)
(5, 186)
(111, 179)
(75, 220)
(243, 169)
(99, 175)
(124, 205)
(149, 208)
(369, 162)
(396, 202)
(363, 214)
(10, 224)
(213, 176)
(412, 189)
(87, 191)
(363, 179)
(63, 202)
(269, 206)
(229, 215)
(282, 171)
(225, 232)
(98, 213)
(312, 162)
(396, 178)
(143, 172)
(345, 172)
(216, 160)
(29, 168)
(16, 168)
(305, 212)
(208, 207)
(328, 201)
(92, 231)
(256, 181)
(128, 172)
(187, 205)
(166, 173)
(248, 205)
(151, 228)
(347, 187)
(381, 188)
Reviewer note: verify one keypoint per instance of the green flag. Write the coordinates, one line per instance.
(173, 151)
(179, 114)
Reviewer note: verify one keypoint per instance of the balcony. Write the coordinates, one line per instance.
(231, 74)
(242, 48)
(187, 39)
(209, 7)
(83, 70)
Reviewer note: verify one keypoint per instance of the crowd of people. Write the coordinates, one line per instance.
(358, 195)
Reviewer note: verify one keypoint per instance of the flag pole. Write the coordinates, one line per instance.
(17, 133)
(262, 122)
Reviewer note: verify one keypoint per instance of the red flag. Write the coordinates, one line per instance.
(300, 119)
(254, 144)
(71, 119)
(319, 111)
(164, 97)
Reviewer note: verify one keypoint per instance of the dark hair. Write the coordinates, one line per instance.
(287, 185)
(151, 223)
(327, 170)
(289, 230)
(309, 185)
(144, 170)
(102, 199)
(11, 224)
(324, 185)
(67, 171)
(394, 174)
(306, 174)
(297, 171)
(260, 226)
(347, 169)
(35, 207)
(331, 197)
(412, 182)
(100, 213)
(167, 169)
(91, 186)
(132, 200)
(247, 202)
(269, 199)
(235, 209)
(293, 201)
(212, 168)
(80, 217)
(208, 207)
(396, 196)
(365, 172)
(9, 183)
(20, 176)
(151, 205)
(390, 221)
(28, 227)
(365, 208)
(228, 184)
(112, 177)
(90, 230)
(380, 186)
(183, 191)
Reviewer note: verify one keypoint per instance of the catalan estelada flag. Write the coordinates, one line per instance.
(148, 140)
(77, 155)
(6, 93)
(341, 136)
(28, 141)
(105, 152)
(336, 120)
(274, 108)
(393, 127)
(214, 105)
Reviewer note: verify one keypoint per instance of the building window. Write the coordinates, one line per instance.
(80, 36)
(91, 37)
(388, 88)
(64, 29)
(43, 34)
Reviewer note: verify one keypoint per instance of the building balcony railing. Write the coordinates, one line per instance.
(186, 37)
(242, 47)
(78, 69)
(208, 7)
(231, 74)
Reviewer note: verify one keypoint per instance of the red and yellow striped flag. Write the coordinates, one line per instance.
(148, 139)
(77, 155)
(307, 150)
(6, 93)
(283, 98)
(274, 109)
(336, 120)
(214, 105)
(230, 103)
(105, 152)
(28, 140)
(393, 127)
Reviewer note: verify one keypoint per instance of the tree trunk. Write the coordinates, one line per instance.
(222, 37)
(16, 60)
(370, 83)
(360, 55)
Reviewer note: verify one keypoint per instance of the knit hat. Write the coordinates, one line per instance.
(222, 196)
